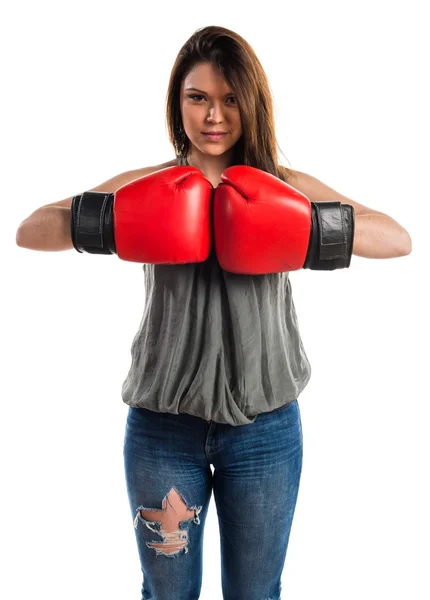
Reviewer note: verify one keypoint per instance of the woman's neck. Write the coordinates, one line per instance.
(212, 167)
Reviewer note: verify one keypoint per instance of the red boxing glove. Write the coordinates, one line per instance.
(263, 225)
(161, 218)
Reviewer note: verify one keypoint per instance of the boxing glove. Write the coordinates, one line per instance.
(163, 217)
(264, 225)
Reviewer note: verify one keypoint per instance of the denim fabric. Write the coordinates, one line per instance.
(257, 469)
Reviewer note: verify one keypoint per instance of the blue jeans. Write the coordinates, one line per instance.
(256, 478)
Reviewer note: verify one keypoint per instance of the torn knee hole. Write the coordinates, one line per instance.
(174, 510)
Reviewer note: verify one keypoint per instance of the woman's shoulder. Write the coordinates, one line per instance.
(290, 176)
(164, 165)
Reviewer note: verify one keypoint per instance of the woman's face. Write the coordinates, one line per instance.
(208, 104)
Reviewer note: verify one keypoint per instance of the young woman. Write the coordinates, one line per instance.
(217, 363)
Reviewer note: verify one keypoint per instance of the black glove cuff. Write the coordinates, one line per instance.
(332, 236)
(91, 223)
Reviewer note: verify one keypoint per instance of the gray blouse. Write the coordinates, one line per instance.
(216, 345)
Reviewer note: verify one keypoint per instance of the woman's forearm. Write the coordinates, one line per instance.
(48, 229)
(380, 236)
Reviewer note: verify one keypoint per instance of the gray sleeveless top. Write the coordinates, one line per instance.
(216, 345)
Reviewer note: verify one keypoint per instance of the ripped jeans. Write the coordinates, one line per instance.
(256, 478)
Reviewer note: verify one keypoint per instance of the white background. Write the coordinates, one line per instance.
(84, 87)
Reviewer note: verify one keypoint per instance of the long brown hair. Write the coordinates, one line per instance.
(240, 67)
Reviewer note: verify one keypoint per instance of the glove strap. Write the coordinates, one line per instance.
(91, 223)
(332, 236)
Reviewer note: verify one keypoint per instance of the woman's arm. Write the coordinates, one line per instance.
(48, 227)
(377, 235)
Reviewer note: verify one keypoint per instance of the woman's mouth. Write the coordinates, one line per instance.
(214, 137)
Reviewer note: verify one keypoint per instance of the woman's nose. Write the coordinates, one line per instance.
(216, 114)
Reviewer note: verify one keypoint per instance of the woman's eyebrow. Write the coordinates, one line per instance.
(202, 92)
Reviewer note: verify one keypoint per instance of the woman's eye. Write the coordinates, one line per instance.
(194, 96)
